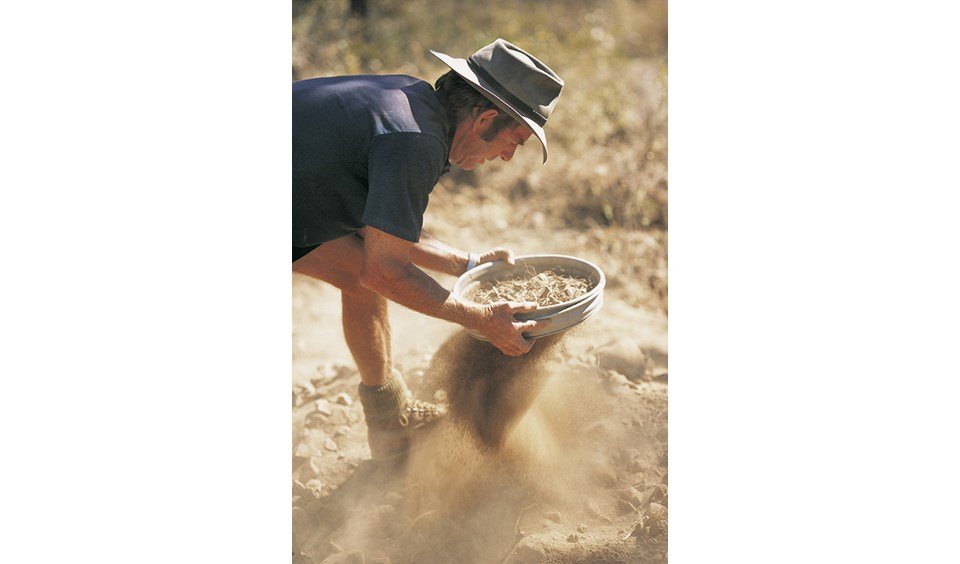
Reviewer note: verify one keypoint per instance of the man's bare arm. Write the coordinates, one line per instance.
(387, 269)
(433, 254)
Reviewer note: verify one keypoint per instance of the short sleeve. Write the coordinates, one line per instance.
(403, 170)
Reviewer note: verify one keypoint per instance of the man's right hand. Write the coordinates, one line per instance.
(497, 323)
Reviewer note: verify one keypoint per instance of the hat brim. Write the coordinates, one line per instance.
(461, 67)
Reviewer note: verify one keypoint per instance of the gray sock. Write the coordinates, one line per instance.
(384, 402)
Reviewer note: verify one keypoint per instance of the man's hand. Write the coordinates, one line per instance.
(387, 270)
(497, 323)
(499, 253)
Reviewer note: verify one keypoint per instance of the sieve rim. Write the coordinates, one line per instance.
(486, 270)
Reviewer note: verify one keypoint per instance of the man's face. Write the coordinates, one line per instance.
(469, 149)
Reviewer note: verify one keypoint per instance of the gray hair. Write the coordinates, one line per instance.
(460, 98)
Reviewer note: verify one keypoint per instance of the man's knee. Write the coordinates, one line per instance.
(354, 290)
(337, 263)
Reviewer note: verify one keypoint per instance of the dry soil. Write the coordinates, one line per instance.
(558, 456)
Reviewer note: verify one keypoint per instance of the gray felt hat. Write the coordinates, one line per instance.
(514, 80)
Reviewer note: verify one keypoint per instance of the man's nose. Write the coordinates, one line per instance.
(507, 153)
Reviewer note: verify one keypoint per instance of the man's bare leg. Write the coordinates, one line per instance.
(366, 328)
(366, 322)
(385, 399)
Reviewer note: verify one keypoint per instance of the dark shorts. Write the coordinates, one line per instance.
(298, 252)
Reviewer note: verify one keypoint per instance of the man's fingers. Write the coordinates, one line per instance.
(528, 343)
(519, 350)
(506, 255)
(526, 326)
(533, 324)
(521, 307)
(518, 347)
(518, 344)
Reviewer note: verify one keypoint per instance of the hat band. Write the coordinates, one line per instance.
(499, 90)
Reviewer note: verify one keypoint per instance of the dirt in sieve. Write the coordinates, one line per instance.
(546, 288)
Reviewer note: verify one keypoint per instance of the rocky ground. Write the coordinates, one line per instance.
(559, 456)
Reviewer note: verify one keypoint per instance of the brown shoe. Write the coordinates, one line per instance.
(420, 413)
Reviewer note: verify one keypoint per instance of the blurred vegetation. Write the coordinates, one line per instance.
(608, 133)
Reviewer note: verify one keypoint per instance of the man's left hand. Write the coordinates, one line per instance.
(499, 253)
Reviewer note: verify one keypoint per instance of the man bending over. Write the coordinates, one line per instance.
(367, 152)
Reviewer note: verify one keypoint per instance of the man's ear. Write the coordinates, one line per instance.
(484, 120)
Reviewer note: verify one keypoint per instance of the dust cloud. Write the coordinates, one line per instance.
(534, 449)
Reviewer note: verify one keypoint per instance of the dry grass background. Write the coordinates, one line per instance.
(605, 185)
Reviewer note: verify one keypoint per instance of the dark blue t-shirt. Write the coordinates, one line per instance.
(367, 150)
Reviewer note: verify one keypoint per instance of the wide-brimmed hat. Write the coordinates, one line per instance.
(514, 80)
